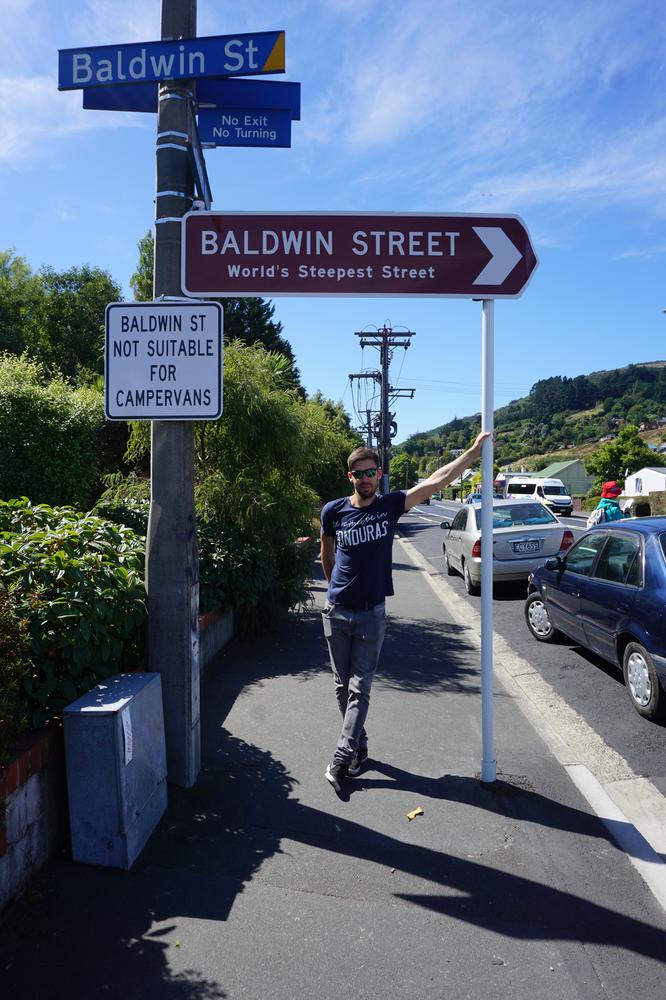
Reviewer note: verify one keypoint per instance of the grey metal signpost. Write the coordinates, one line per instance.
(172, 561)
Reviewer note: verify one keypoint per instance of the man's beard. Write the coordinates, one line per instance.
(366, 493)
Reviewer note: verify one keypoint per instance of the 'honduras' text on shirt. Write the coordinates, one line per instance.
(345, 536)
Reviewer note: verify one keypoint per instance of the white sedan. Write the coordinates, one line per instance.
(525, 533)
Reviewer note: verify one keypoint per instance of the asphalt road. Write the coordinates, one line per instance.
(587, 683)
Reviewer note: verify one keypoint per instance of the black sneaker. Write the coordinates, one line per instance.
(357, 762)
(336, 774)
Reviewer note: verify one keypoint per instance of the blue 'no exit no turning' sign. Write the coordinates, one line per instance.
(245, 128)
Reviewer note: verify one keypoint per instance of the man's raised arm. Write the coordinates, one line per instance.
(444, 476)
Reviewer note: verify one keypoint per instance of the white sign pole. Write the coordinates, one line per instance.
(488, 763)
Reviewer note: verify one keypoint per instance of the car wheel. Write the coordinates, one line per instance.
(471, 587)
(647, 695)
(538, 619)
(449, 568)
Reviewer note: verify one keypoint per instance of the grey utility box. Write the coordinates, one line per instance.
(116, 768)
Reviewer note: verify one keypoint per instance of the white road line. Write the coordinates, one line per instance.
(633, 809)
(642, 855)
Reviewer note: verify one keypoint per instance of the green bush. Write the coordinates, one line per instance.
(13, 670)
(120, 488)
(234, 572)
(77, 580)
(131, 512)
(49, 435)
(258, 470)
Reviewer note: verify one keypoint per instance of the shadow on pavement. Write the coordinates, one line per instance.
(427, 655)
(509, 795)
(115, 934)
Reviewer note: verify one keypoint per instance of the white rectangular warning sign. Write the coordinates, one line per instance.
(163, 361)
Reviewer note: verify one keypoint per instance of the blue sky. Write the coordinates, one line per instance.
(553, 112)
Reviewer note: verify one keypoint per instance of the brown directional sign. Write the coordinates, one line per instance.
(302, 253)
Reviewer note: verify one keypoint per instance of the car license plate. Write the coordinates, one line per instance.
(531, 546)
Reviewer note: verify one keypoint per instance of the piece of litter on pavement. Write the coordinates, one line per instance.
(392, 871)
(414, 813)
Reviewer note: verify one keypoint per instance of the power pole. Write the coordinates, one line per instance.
(172, 563)
(386, 341)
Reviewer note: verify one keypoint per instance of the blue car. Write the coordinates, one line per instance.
(608, 593)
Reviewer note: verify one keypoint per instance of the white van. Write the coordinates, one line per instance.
(552, 492)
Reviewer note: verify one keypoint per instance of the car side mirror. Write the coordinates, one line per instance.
(445, 525)
(555, 563)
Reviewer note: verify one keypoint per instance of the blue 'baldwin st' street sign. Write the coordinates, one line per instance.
(245, 128)
(146, 62)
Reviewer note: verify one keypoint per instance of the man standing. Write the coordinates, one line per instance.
(356, 555)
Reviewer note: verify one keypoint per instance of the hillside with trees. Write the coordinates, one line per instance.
(560, 418)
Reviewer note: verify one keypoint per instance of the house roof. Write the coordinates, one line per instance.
(552, 471)
(650, 468)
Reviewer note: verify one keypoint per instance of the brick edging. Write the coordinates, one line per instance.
(37, 749)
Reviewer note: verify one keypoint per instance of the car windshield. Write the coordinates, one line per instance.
(555, 491)
(522, 488)
(518, 515)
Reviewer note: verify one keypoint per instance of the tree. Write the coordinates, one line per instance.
(328, 439)
(57, 317)
(626, 454)
(142, 279)
(21, 292)
(403, 472)
(71, 323)
(337, 415)
(265, 467)
(49, 435)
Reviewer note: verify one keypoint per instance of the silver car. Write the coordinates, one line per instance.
(525, 533)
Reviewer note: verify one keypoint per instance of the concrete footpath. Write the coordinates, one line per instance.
(261, 883)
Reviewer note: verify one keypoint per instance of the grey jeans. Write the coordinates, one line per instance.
(354, 641)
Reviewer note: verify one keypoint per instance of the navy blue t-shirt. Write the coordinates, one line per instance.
(362, 574)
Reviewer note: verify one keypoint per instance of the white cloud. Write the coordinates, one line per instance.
(34, 113)
(501, 104)
(110, 22)
(443, 66)
(628, 166)
(646, 253)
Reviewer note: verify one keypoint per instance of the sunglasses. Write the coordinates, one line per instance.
(359, 473)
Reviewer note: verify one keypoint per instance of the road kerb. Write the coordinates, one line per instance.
(574, 744)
